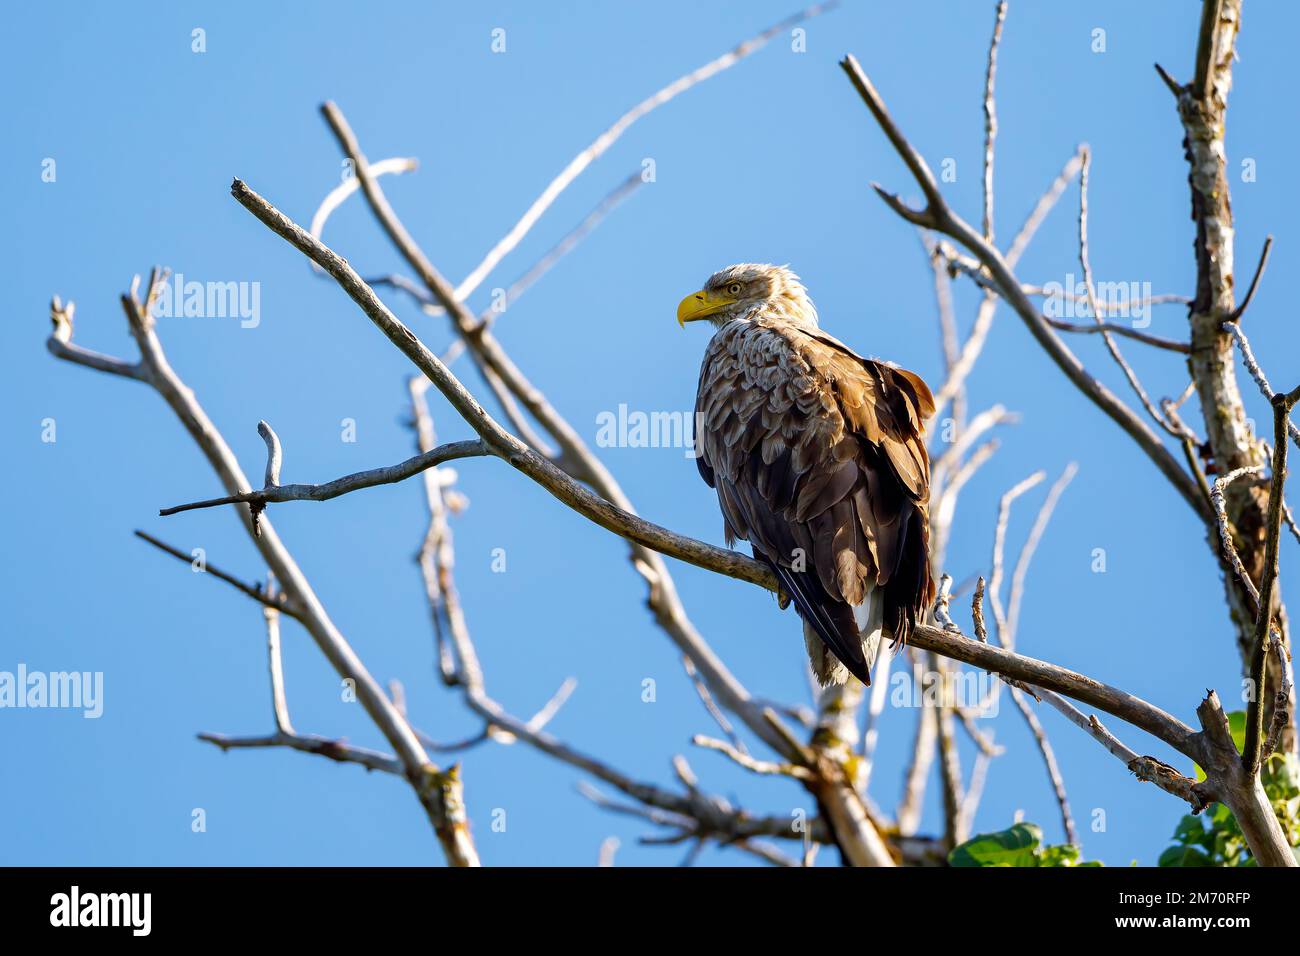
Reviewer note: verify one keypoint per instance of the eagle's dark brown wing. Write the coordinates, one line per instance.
(818, 460)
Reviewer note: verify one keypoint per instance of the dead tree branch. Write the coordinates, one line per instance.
(439, 791)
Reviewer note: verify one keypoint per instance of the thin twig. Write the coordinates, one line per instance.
(950, 775)
(1257, 373)
(991, 118)
(607, 139)
(570, 241)
(1111, 345)
(337, 750)
(765, 767)
(1282, 405)
(275, 665)
(1051, 764)
(1046, 202)
(1240, 310)
(1006, 637)
(348, 186)
(386, 475)
(918, 770)
(1225, 526)
(276, 601)
(1031, 545)
(1109, 328)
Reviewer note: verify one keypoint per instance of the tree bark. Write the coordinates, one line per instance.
(1230, 441)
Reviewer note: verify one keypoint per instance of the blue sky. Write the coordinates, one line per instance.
(769, 161)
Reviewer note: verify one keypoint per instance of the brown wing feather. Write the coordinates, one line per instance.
(818, 458)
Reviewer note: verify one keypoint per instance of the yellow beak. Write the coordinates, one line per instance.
(701, 305)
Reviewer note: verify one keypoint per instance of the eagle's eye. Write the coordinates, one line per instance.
(733, 289)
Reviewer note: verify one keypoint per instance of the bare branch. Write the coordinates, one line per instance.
(991, 118)
(276, 601)
(1282, 699)
(439, 791)
(918, 770)
(981, 423)
(608, 847)
(1041, 674)
(975, 790)
(1046, 202)
(1005, 635)
(1050, 762)
(570, 241)
(1147, 769)
(950, 775)
(1108, 328)
(387, 475)
(1225, 527)
(1008, 621)
(1257, 373)
(61, 346)
(1031, 545)
(1092, 300)
(713, 819)
(312, 744)
(275, 665)
(274, 454)
(1282, 405)
(765, 767)
(1240, 310)
(348, 186)
(702, 691)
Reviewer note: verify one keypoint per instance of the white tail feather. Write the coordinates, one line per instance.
(869, 617)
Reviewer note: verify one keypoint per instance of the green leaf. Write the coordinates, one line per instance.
(1189, 829)
(1282, 775)
(1011, 847)
(1184, 856)
(1067, 854)
(1237, 726)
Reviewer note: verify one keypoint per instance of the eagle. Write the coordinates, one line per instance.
(818, 458)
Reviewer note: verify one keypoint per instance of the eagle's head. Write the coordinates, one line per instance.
(746, 290)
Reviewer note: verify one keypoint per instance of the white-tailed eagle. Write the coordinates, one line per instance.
(818, 459)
